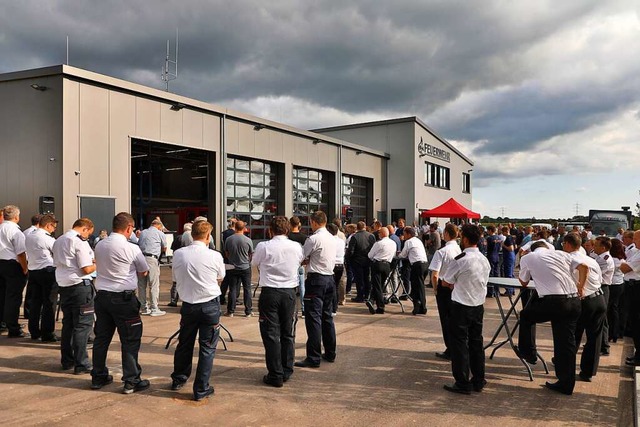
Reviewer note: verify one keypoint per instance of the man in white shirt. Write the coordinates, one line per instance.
(468, 275)
(28, 296)
(74, 262)
(278, 260)
(602, 245)
(381, 255)
(13, 270)
(414, 251)
(119, 263)
(594, 309)
(625, 304)
(557, 302)
(338, 269)
(198, 272)
(42, 277)
(439, 264)
(631, 270)
(320, 252)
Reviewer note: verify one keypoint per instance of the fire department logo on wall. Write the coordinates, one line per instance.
(425, 149)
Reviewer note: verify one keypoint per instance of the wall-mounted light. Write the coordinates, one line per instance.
(359, 152)
(41, 88)
(173, 169)
(259, 127)
(52, 159)
(316, 141)
(470, 170)
(177, 106)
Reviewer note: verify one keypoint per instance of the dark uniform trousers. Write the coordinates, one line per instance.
(202, 319)
(625, 310)
(117, 311)
(604, 342)
(405, 274)
(613, 312)
(591, 321)
(379, 273)
(361, 272)
(277, 318)
(237, 277)
(634, 314)
(443, 300)
(418, 274)
(466, 346)
(338, 271)
(77, 307)
(563, 313)
(43, 300)
(318, 299)
(12, 283)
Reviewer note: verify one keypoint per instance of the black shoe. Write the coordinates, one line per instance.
(20, 334)
(604, 353)
(583, 377)
(478, 386)
(306, 363)
(632, 362)
(176, 385)
(443, 355)
(379, 310)
(370, 307)
(98, 383)
(90, 340)
(204, 394)
(67, 367)
(81, 370)
(357, 300)
(531, 359)
(35, 337)
(172, 304)
(51, 338)
(272, 381)
(285, 379)
(404, 298)
(630, 359)
(453, 388)
(327, 358)
(558, 388)
(139, 386)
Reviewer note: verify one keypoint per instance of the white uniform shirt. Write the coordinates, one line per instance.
(30, 230)
(527, 246)
(320, 249)
(634, 262)
(71, 253)
(196, 270)
(11, 241)
(39, 249)
(594, 277)
(414, 250)
(469, 273)
(278, 260)
(607, 267)
(383, 250)
(340, 249)
(618, 276)
(443, 257)
(551, 271)
(117, 263)
(629, 250)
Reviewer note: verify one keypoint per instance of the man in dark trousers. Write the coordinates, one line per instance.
(468, 275)
(238, 249)
(230, 231)
(414, 251)
(358, 256)
(320, 253)
(381, 256)
(298, 236)
(278, 260)
(198, 273)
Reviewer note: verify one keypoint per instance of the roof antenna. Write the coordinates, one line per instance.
(67, 50)
(170, 68)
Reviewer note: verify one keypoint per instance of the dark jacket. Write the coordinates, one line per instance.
(359, 246)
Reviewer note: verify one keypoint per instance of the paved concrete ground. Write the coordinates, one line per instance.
(385, 374)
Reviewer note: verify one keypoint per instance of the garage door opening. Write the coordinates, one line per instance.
(172, 182)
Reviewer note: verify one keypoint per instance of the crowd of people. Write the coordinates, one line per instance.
(107, 285)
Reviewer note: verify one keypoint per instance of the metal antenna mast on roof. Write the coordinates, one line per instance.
(170, 68)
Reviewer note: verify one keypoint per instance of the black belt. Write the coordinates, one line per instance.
(130, 292)
(85, 282)
(377, 262)
(633, 282)
(566, 296)
(319, 274)
(595, 294)
(338, 265)
(151, 255)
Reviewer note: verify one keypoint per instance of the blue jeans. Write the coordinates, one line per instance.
(201, 319)
(301, 285)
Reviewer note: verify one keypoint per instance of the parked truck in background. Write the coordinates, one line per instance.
(609, 221)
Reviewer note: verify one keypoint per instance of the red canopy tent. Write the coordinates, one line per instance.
(450, 209)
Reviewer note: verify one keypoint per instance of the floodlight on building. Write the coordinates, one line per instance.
(259, 127)
(173, 169)
(470, 170)
(316, 141)
(177, 106)
(182, 150)
(41, 88)
(199, 177)
(359, 152)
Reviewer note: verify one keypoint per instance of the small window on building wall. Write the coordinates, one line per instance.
(466, 182)
(436, 176)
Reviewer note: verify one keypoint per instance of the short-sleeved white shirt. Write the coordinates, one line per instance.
(414, 250)
(383, 250)
(443, 257)
(633, 261)
(278, 260)
(320, 248)
(11, 241)
(469, 273)
(196, 270)
(594, 277)
(551, 271)
(39, 246)
(117, 263)
(340, 249)
(607, 267)
(71, 253)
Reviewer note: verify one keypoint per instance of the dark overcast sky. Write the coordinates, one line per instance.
(543, 96)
